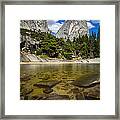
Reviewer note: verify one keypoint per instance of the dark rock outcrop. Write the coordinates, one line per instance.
(46, 84)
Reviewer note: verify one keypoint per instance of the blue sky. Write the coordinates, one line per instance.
(93, 26)
(54, 25)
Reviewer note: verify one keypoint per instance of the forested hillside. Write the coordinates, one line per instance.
(44, 45)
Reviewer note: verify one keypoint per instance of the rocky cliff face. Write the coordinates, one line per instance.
(72, 28)
(29, 29)
(33, 31)
(38, 25)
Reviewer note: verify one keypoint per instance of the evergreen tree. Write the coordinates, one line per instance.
(83, 46)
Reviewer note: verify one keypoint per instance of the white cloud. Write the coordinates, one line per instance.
(54, 27)
(90, 25)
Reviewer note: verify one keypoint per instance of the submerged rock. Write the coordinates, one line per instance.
(92, 93)
(84, 83)
(26, 91)
(47, 90)
(25, 77)
(75, 90)
(46, 84)
(80, 96)
(39, 97)
(52, 96)
(55, 96)
(92, 97)
(21, 97)
(26, 98)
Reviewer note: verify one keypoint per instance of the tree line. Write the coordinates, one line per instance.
(47, 45)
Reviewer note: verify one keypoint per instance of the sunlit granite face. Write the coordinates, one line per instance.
(72, 28)
(34, 25)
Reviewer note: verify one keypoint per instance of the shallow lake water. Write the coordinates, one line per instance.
(59, 81)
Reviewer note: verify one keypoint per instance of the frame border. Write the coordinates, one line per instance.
(55, 2)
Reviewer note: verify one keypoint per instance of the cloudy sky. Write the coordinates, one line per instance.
(93, 26)
(54, 25)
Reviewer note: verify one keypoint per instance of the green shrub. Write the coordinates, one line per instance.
(68, 56)
(39, 52)
(43, 56)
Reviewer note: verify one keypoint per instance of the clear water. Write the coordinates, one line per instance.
(66, 73)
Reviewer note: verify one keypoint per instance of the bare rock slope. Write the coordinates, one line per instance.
(72, 28)
(34, 25)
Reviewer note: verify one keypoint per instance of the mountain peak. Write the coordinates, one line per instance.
(34, 25)
(72, 28)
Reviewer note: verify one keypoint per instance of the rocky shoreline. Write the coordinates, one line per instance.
(26, 58)
(88, 61)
